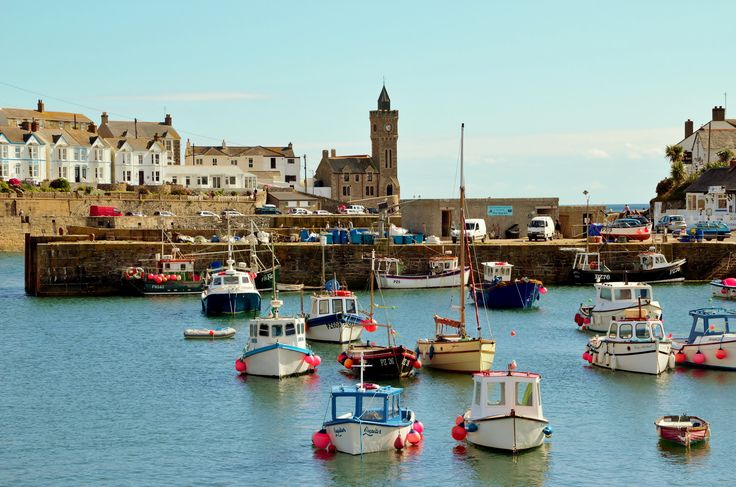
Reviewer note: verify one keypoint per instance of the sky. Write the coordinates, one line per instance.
(556, 97)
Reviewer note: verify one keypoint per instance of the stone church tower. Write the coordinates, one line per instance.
(384, 135)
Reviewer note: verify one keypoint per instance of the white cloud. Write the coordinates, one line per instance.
(597, 154)
(192, 96)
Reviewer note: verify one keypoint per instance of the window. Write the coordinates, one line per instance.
(250, 162)
(606, 293)
(613, 330)
(350, 306)
(524, 393)
(477, 394)
(642, 331)
(290, 178)
(273, 163)
(169, 145)
(658, 331)
(4, 151)
(346, 178)
(140, 159)
(18, 152)
(290, 161)
(721, 201)
(277, 330)
(370, 177)
(4, 171)
(691, 201)
(369, 191)
(33, 151)
(263, 330)
(156, 176)
(125, 157)
(155, 158)
(625, 331)
(198, 161)
(232, 181)
(324, 306)
(290, 330)
(337, 305)
(623, 294)
(187, 180)
(84, 173)
(357, 178)
(214, 161)
(495, 394)
(346, 191)
(33, 170)
(62, 153)
(202, 181)
(173, 180)
(233, 162)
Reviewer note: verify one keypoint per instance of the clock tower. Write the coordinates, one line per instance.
(384, 135)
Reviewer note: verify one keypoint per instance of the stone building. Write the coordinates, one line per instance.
(271, 165)
(702, 146)
(23, 117)
(162, 132)
(357, 177)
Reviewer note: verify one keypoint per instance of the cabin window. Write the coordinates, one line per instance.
(324, 306)
(716, 326)
(623, 294)
(606, 293)
(350, 306)
(253, 330)
(393, 407)
(613, 330)
(658, 331)
(642, 293)
(263, 331)
(625, 331)
(524, 393)
(300, 327)
(477, 394)
(342, 406)
(495, 394)
(277, 330)
(231, 280)
(373, 409)
(218, 281)
(337, 305)
(642, 331)
(290, 330)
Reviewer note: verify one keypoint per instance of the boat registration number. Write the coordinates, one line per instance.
(603, 277)
(387, 361)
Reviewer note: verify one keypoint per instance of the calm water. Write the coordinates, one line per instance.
(105, 391)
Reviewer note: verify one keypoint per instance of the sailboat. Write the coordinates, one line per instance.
(231, 291)
(391, 361)
(451, 348)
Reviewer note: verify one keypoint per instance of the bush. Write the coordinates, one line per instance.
(4, 187)
(60, 184)
(179, 191)
(143, 190)
(664, 186)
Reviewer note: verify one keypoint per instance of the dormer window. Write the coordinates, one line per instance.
(346, 178)
(62, 153)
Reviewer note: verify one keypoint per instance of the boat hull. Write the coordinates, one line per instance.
(264, 279)
(277, 360)
(722, 291)
(230, 303)
(509, 433)
(422, 281)
(641, 234)
(145, 287)
(357, 438)
(474, 355)
(207, 334)
(600, 320)
(519, 294)
(335, 328)
(709, 346)
(382, 362)
(673, 273)
(641, 357)
(686, 433)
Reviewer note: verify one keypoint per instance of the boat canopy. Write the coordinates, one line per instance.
(498, 393)
(332, 303)
(286, 331)
(619, 291)
(711, 322)
(632, 330)
(371, 403)
(497, 271)
(652, 260)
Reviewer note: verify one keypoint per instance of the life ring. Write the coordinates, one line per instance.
(370, 386)
(342, 292)
(130, 272)
(138, 273)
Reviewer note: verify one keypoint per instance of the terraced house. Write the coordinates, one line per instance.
(22, 154)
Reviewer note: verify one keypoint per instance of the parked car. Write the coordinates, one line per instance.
(267, 209)
(299, 211)
(372, 211)
(670, 223)
(231, 213)
(163, 213)
(322, 212)
(206, 213)
(97, 210)
(134, 213)
(711, 230)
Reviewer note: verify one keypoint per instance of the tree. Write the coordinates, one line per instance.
(725, 155)
(60, 184)
(678, 171)
(675, 153)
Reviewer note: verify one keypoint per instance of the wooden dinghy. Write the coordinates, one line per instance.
(209, 333)
(685, 430)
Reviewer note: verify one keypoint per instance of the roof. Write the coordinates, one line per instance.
(719, 176)
(137, 144)
(290, 196)
(238, 151)
(17, 135)
(143, 129)
(25, 113)
(72, 136)
(351, 164)
(384, 102)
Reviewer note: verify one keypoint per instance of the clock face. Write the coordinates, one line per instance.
(388, 127)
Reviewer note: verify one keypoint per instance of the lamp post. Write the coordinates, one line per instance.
(587, 215)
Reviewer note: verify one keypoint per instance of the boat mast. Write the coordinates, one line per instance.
(462, 231)
(230, 260)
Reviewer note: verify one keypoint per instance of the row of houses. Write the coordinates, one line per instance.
(37, 145)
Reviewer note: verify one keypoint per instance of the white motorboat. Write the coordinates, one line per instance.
(334, 317)
(618, 300)
(506, 412)
(444, 271)
(711, 342)
(633, 346)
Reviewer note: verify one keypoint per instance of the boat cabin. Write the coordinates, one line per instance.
(652, 260)
(633, 330)
(334, 303)
(369, 404)
(497, 271)
(267, 331)
(623, 294)
(231, 278)
(498, 393)
(711, 322)
(589, 261)
(389, 265)
(169, 265)
(440, 265)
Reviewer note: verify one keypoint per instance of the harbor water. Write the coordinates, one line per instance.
(106, 391)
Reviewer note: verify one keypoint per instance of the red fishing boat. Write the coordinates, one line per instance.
(685, 430)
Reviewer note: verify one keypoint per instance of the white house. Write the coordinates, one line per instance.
(22, 154)
(226, 178)
(78, 156)
(702, 146)
(138, 160)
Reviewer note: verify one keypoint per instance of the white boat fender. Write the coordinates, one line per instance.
(671, 361)
(613, 362)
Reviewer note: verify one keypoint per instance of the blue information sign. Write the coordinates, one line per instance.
(500, 211)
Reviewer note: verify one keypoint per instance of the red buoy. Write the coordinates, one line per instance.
(721, 354)
(459, 433)
(240, 366)
(680, 358)
(321, 439)
(398, 442)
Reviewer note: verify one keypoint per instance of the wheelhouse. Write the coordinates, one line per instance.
(227, 279)
(618, 292)
(633, 330)
(377, 405)
(652, 260)
(711, 322)
(439, 265)
(389, 265)
(588, 261)
(498, 393)
(497, 271)
(333, 303)
(286, 331)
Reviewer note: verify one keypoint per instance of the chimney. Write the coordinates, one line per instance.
(223, 143)
(324, 154)
(155, 136)
(688, 128)
(103, 118)
(332, 153)
(40, 106)
(719, 114)
(167, 120)
(290, 145)
(92, 128)
(135, 125)
(25, 125)
(34, 126)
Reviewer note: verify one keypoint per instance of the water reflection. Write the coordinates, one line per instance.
(498, 468)
(380, 468)
(674, 453)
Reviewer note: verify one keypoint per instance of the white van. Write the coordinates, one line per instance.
(541, 228)
(475, 229)
(355, 210)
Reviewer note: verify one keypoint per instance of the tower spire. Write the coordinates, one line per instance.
(384, 102)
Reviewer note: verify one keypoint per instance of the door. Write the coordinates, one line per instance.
(141, 178)
(216, 182)
(77, 175)
(446, 222)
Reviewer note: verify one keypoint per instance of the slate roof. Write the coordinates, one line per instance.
(145, 129)
(719, 176)
(350, 164)
(384, 102)
(237, 151)
(138, 144)
(27, 114)
(207, 171)
(72, 136)
(17, 135)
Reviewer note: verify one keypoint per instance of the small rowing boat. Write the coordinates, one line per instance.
(685, 430)
(209, 333)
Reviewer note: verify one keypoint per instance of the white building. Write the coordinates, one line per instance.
(226, 178)
(269, 164)
(138, 160)
(22, 154)
(78, 156)
(702, 146)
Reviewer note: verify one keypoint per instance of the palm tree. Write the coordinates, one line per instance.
(675, 153)
(725, 155)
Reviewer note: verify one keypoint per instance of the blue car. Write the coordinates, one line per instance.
(710, 230)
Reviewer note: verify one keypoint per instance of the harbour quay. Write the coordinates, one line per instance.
(83, 265)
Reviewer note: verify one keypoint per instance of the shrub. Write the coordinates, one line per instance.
(60, 184)
(664, 186)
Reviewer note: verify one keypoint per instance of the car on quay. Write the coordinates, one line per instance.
(134, 213)
(267, 209)
(231, 213)
(322, 212)
(163, 213)
(299, 211)
(710, 230)
(207, 213)
(671, 224)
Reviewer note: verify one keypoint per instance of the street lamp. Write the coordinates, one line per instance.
(587, 214)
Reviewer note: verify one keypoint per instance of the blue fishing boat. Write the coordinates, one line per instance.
(499, 291)
(334, 315)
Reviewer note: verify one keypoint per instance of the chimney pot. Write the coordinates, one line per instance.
(719, 114)
(92, 128)
(40, 106)
(103, 118)
(324, 154)
(25, 125)
(167, 119)
(332, 153)
(34, 126)
(688, 128)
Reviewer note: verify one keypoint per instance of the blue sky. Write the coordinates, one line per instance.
(557, 97)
